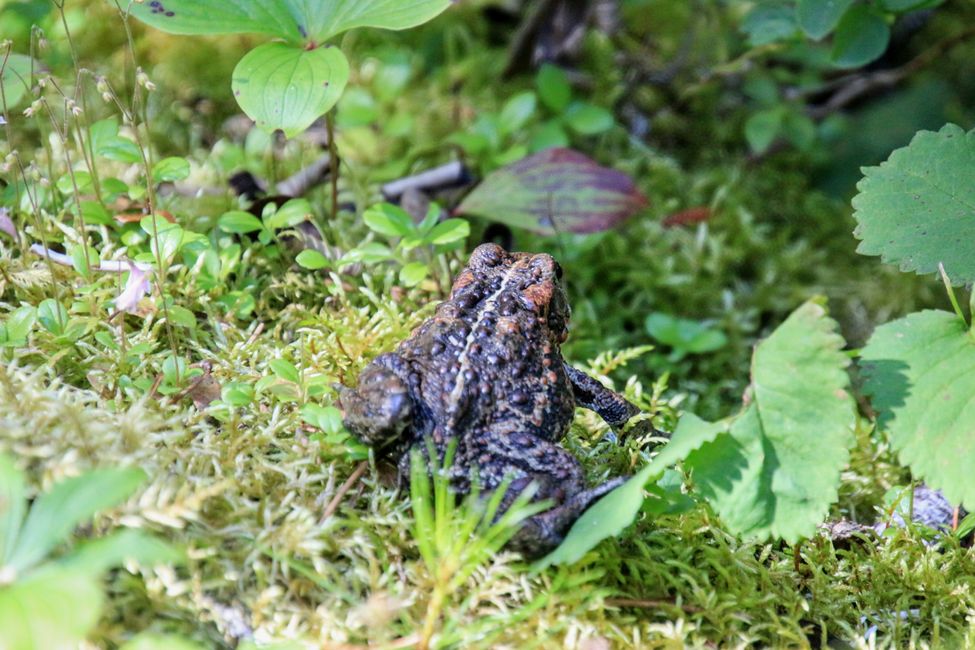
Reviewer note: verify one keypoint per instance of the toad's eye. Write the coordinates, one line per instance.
(558, 271)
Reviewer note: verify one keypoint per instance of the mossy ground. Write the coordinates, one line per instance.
(286, 537)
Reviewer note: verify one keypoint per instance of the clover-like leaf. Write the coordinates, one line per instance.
(294, 20)
(280, 86)
(556, 190)
(861, 36)
(917, 209)
(777, 471)
(920, 373)
(617, 510)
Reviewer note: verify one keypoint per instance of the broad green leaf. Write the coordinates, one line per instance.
(285, 87)
(389, 220)
(553, 87)
(920, 373)
(326, 418)
(685, 336)
(762, 127)
(777, 472)
(559, 185)
(116, 549)
(548, 136)
(413, 273)
(17, 326)
(240, 222)
(861, 36)
(294, 20)
(56, 513)
(918, 208)
(15, 79)
(173, 168)
(285, 370)
(615, 511)
(588, 119)
(52, 316)
(12, 506)
(517, 111)
(312, 260)
(290, 214)
(448, 232)
(817, 18)
(770, 22)
(51, 609)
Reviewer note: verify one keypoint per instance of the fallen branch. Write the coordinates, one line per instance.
(444, 176)
(333, 505)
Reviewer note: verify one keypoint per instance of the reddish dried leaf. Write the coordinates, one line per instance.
(559, 185)
(687, 217)
(137, 215)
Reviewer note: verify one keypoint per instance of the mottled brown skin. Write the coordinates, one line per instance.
(487, 372)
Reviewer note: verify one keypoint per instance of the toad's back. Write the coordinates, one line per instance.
(490, 357)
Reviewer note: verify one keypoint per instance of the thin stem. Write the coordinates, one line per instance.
(951, 294)
(333, 152)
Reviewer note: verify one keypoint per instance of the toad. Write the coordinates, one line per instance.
(486, 373)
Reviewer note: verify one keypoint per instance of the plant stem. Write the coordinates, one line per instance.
(333, 152)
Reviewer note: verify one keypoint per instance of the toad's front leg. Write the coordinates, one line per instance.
(609, 405)
(379, 409)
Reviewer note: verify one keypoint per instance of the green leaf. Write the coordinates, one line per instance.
(54, 608)
(920, 373)
(448, 232)
(547, 136)
(290, 214)
(293, 20)
(281, 86)
(553, 87)
(12, 506)
(389, 220)
(56, 513)
(588, 119)
(119, 547)
(240, 222)
(777, 472)
(312, 260)
(918, 208)
(556, 184)
(181, 316)
(15, 79)
(94, 212)
(517, 111)
(762, 127)
(817, 18)
(326, 418)
(861, 36)
(285, 370)
(53, 316)
(685, 336)
(173, 168)
(768, 23)
(413, 274)
(18, 325)
(614, 512)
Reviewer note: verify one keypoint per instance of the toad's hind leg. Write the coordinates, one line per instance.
(556, 475)
(379, 409)
(546, 530)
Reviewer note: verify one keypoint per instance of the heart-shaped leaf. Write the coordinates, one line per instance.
(294, 20)
(918, 208)
(555, 190)
(280, 86)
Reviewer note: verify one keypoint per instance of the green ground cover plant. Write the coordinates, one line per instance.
(173, 465)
